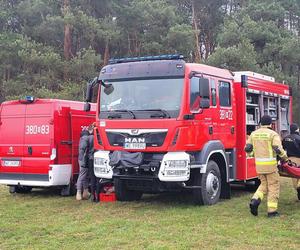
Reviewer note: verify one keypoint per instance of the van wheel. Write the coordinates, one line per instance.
(12, 189)
(20, 189)
(123, 193)
(210, 183)
(68, 190)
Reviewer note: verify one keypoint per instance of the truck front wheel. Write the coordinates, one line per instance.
(210, 183)
(123, 193)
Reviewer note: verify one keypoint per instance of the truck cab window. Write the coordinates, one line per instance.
(194, 94)
(213, 93)
(224, 94)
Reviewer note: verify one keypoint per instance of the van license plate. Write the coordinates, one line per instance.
(134, 145)
(11, 163)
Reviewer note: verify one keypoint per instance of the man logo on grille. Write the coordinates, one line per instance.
(134, 131)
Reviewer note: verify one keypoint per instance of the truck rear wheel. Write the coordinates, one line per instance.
(210, 183)
(123, 193)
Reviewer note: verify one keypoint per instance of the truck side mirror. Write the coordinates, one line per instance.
(244, 81)
(204, 87)
(89, 89)
(87, 107)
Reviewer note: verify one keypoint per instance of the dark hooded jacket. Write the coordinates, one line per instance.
(83, 149)
(291, 144)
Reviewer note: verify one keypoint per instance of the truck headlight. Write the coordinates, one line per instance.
(102, 169)
(175, 166)
(101, 166)
(177, 163)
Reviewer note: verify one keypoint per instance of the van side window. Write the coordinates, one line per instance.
(213, 92)
(194, 94)
(224, 94)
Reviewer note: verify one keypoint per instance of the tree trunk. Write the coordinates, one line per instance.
(196, 32)
(106, 53)
(297, 116)
(67, 33)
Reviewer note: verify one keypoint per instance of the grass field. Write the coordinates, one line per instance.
(44, 220)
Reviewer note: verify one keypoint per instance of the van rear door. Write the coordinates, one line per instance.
(12, 121)
(38, 140)
(80, 120)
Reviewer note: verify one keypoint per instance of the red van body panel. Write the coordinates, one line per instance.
(39, 141)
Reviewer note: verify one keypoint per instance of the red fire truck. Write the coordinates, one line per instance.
(189, 122)
(39, 143)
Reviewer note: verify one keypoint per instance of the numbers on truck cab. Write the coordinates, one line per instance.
(37, 129)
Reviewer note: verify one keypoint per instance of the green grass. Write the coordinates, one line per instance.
(44, 220)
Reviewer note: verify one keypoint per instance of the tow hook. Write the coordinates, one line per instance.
(183, 184)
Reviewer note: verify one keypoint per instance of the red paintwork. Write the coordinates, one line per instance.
(65, 120)
(193, 134)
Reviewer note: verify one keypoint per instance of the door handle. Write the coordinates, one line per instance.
(30, 150)
(232, 130)
(210, 130)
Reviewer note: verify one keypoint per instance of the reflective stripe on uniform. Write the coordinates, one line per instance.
(261, 163)
(265, 161)
(272, 204)
(259, 194)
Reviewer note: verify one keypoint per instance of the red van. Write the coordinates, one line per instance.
(39, 143)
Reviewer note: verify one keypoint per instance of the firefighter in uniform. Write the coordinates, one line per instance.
(265, 144)
(291, 144)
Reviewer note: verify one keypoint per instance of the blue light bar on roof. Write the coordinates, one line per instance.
(146, 58)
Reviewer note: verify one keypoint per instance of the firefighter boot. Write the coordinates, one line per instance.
(273, 214)
(78, 195)
(85, 194)
(254, 203)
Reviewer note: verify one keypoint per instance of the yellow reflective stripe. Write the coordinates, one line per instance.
(260, 194)
(272, 204)
(265, 163)
(266, 159)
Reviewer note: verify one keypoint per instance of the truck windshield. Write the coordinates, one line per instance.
(148, 98)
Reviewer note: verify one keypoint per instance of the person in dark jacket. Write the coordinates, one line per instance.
(82, 182)
(291, 144)
(94, 181)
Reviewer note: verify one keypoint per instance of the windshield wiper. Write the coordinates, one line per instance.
(162, 111)
(125, 111)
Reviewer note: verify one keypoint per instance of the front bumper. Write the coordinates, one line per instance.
(168, 167)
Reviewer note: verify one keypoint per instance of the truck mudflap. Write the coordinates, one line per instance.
(58, 175)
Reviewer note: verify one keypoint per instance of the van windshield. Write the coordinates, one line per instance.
(142, 96)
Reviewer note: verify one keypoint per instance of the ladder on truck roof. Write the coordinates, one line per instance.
(238, 74)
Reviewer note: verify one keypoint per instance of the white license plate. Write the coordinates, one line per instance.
(134, 145)
(11, 163)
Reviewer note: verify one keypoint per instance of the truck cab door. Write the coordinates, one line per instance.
(224, 121)
(202, 121)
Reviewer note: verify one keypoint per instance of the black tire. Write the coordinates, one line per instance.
(210, 182)
(122, 192)
(12, 189)
(20, 189)
(68, 190)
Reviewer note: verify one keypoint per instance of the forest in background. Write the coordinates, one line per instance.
(50, 48)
